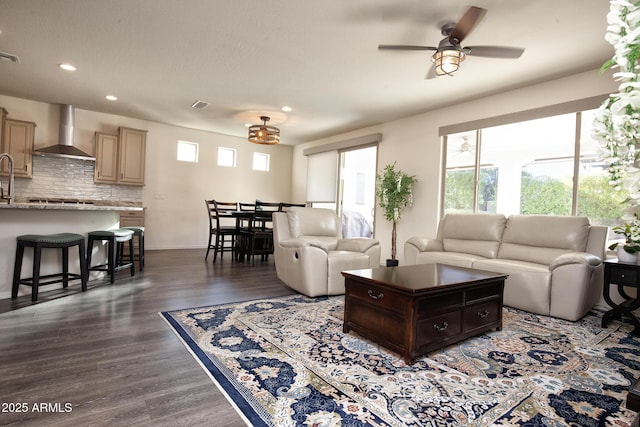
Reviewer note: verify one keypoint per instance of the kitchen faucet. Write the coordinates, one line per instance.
(10, 190)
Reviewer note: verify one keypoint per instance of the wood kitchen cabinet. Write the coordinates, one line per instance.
(106, 168)
(132, 219)
(132, 155)
(120, 159)
(17, 140)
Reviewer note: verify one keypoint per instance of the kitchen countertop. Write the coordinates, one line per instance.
(94, 206)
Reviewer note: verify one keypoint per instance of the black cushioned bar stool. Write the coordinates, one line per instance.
(138, 231)
(115, 243)
(38, 242)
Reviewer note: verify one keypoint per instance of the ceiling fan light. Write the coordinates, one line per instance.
(264, 134)
(447, 62)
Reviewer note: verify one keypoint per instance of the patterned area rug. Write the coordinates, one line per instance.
(286, 361)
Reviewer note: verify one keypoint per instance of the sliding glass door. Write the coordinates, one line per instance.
(356, 191)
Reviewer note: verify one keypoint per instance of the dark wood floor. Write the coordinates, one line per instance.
(108, 353)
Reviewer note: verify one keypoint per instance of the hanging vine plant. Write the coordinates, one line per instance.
(617, 122)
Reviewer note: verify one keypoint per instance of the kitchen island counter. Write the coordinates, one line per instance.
(71, 207)
(51, 218)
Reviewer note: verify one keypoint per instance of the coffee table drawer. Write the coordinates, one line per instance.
(492, 290)
(383, 325)
(479, 315)
(438, 328)
(445, 302)
(378, 297)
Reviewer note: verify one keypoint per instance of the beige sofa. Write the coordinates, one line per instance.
(554, 263)
(310, 253)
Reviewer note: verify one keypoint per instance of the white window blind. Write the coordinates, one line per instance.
(322, 175)
(322, 167)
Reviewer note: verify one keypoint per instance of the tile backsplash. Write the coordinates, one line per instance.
(55, 177)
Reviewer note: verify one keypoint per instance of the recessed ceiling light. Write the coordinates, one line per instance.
(67, 67)
(247, 125)
(286, 109)
(111, 97)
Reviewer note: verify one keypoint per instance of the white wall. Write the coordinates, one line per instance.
(414, 144)
(174, 192)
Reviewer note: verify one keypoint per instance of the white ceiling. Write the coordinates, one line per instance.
(249, 58)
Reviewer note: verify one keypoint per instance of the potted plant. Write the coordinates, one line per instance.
(393, 190)
(628, 250)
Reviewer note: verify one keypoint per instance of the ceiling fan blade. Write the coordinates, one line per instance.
(404, 47)
(494, 51)
(468, 21)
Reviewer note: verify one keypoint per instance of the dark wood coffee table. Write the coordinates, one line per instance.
(416, 309)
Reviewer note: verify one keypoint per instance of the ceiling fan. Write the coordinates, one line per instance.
(449, 53)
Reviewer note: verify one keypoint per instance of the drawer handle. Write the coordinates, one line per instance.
(376, 297)
(483, 314)
(444, 326)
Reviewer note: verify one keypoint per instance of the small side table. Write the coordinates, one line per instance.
(633, 397)
(622, 274)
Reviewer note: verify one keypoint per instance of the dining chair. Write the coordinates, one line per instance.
(244, 220)
(257, 239)
(285, 205)
(219, 212)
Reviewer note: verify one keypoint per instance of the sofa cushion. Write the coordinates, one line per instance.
(542, 238)
(313, 222)
(528, 286)
(477, 234)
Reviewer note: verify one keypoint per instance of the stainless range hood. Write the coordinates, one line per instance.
(65, 147)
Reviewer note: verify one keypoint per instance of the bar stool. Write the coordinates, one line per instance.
(138, 231)
(115, 243)
(41, 241)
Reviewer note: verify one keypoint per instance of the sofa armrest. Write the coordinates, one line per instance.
(356, 244)
(424, 244)
(575, 258)
(301, 243)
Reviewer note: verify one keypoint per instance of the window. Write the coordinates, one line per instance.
(596, 199)
(187, 151)
(261, 162)
(324, 163)
(357, 190)
(530, 167)
(226, 157)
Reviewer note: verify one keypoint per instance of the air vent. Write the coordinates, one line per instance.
(200, 105)
(9, 57)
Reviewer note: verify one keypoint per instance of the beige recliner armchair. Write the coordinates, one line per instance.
(310, 253)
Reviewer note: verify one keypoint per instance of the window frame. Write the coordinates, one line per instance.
(234, 157)
(267, 161)
(182, 143)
